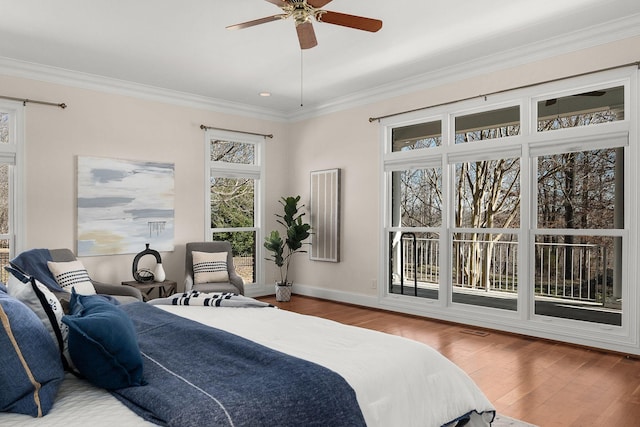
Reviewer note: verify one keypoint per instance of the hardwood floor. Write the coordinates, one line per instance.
(542, 382)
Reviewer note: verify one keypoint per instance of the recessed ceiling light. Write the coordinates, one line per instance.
(265, 93)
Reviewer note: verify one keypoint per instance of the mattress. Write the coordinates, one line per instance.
(398, 382)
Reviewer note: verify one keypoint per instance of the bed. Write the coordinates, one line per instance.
(395, 381)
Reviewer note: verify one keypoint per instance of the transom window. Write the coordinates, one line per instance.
(421, 135)
(498, 123)
(581, 109)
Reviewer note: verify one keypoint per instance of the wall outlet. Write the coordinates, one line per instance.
(374, 284)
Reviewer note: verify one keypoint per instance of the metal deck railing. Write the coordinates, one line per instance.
(569, 271)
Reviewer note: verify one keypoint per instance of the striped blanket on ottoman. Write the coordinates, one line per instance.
(216, 299)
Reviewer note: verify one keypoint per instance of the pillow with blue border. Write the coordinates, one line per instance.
(44, 304)
(103, 343)
(31, 370)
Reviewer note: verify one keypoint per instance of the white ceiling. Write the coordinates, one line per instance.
(183, 46)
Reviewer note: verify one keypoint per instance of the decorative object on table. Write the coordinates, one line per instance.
(159, 273)
(296, 232)
(325, 215)
(144, 275)
(123, 204)
(163, 289)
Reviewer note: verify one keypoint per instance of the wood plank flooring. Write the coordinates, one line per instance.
(542, 382)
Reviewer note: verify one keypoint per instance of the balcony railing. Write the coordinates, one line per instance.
(569, 271)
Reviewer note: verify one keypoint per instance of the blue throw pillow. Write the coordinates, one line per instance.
(31, 370)
(102, 343)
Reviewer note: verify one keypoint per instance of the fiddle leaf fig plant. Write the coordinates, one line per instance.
(291, 242)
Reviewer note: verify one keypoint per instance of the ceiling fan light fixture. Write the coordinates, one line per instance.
(303, 12)
(300, 11)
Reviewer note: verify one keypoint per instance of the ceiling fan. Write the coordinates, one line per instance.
(303, 10)
(552, 101)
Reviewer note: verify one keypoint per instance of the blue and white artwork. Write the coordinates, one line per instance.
(123, 204)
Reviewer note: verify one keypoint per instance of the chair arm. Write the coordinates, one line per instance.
(111, 289)
(188, 283)
(236, 281)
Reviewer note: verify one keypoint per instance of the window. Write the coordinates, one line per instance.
(421, 135)
(577, 260)
(515, 208)
(414, 240)
(486, 197)
(11, 146)
(581, 109)
(491, 124)
(235, 176)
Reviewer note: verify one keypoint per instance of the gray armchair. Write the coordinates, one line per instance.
(124, 294)
(235, 283)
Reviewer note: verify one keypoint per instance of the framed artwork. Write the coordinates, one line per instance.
(325, 215)
(124, 204)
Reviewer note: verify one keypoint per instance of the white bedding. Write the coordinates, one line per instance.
(398, 382)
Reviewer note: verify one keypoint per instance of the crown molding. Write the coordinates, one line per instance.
(594, 36)
(608, 32)
(33, 71)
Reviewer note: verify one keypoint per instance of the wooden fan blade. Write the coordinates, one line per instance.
(351, 21)
(318, 3)
(256, 22)
(306, 35)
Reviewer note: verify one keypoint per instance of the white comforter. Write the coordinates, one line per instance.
(398, 382)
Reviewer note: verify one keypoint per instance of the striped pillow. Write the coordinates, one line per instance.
(70, 275)
(209, 267)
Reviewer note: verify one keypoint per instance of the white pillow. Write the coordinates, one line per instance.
(71, 275)
(44, 303)
(209, 267)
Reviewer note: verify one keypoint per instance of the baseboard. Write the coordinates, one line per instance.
(334, 295)
(254, 291)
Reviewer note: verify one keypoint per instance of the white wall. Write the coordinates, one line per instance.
(346, 141)
(109, 125)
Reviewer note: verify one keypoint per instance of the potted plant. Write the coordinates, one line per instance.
(284, 247)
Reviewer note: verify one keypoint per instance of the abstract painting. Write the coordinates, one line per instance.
(123, 204)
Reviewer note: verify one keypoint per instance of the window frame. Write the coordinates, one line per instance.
(13, 154)
(529, 143)
(255, 171)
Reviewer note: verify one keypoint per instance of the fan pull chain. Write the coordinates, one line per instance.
(301, 79)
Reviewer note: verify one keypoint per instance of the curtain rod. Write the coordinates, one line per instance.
(33, 101)
(636, 63)
(203, 127)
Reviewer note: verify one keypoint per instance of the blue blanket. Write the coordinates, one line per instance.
(202, 376)
(34, 263)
